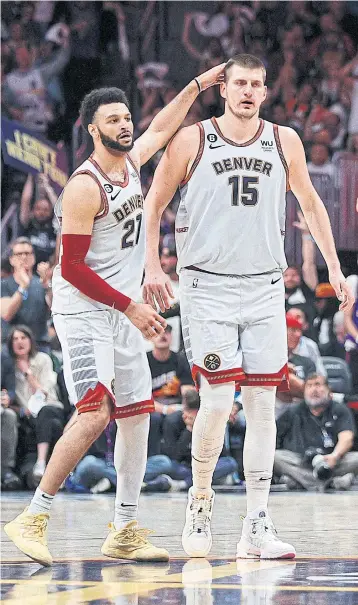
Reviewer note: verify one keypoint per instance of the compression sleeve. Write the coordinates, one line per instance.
(80, 275)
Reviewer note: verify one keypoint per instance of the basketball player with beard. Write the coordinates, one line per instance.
(233, 173)
(98, 322)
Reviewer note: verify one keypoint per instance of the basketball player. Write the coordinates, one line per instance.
(233, 174)
(97, 320)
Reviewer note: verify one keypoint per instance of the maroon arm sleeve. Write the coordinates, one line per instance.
(75, 271)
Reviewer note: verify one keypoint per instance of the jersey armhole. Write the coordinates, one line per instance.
(103, 211)
(131, 161)
(280, 153)
(198, 155)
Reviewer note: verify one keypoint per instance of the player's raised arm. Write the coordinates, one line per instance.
(171, 171)
(168, 120)
(81, 202)
(314, 212)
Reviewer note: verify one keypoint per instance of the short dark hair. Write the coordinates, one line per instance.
(191, 399)
(314, 376)
(25, 330)
(20, 240)
(100, 96)
(244, 60)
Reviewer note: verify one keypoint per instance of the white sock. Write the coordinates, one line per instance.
(40, 503)
(130, 458)
(260, 443)
(209, 431)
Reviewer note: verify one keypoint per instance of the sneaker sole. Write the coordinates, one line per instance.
(243, 553)
(23, 549)
(161, 559)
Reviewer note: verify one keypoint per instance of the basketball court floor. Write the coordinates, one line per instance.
(323, 528)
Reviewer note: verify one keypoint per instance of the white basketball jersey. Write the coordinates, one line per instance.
(231, 218)
(117, 246)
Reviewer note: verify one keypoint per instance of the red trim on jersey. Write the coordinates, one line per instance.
(140, 407)
(254, 138)
(103, 211)
(280, 153)
(80, 275)
(280, 380)
(105, 176)
(219, 377)
(93, 399)
(198, 155)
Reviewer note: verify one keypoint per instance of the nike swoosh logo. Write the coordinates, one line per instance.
(113, 197)
(215, 146)
(125, 505)
(274, 281)
(47, 498)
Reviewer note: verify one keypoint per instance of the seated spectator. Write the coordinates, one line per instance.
(95, 473)
(306, 346)
(299, 367)
(326, 305)
(37, 223)
(236, 435)
(171, 377)
(24, 298)
(319, 162)
(9, 429)
(172, 470)
(314, 440)
(335, 345)
(40, 411)
(351, 327)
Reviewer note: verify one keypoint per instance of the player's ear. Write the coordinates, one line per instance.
(265, 92)
(92, 130)
(223, 90)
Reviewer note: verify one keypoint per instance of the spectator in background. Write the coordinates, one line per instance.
(335, 345)
(32, 30)
(36, 395)
(326, 305)
(300, 367)
(319, 162)
(299, 290)
(29, 83)
(37, 223)
(351, 327)
(24, 298)
(314, 440)
(306, 346)
(9, 429)
(168, 261)
(172, 470)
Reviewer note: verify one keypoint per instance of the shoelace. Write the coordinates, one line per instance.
(36, 528)
(263, 530)
(200, 509)
(137, 537)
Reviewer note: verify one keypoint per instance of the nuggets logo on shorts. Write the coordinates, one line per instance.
(212, 362)
(112, 386)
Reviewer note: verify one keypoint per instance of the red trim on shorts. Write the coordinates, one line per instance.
(93, 399)
(140, 407)
(280, 380)
(219, 377)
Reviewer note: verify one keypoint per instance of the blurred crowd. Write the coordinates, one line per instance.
(55, 52)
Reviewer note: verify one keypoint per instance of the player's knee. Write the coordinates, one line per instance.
(217, 399)
(99, 417)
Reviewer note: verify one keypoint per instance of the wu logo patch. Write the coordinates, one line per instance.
(212, 362)
(266, 145)
(108, 188)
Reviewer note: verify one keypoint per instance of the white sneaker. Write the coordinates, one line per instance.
(102, 486)
(259, 539)
(196, 537)
(38, 471)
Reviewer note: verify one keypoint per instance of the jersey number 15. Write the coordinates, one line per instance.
(248, 194)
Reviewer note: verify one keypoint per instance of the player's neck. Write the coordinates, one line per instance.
(237, 129)
(111, 163)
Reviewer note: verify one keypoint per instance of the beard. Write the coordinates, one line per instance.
(114, 144)
(317, 403)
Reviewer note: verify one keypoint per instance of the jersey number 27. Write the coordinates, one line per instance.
(248, 193)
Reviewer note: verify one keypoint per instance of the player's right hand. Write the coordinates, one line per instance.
(145, 319)
(157, 290)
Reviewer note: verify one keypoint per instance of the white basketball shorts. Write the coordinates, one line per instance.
(103, 352)
(234, 327)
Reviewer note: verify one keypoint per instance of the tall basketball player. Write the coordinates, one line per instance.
(98, 322)
(233, 174)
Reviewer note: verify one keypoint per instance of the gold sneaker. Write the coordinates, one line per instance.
(131, 543)
(29, 533)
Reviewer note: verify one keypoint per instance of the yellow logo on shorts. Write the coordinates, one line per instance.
(112, 386)
(212, 362)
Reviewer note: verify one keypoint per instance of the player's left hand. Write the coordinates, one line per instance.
(213, 76)
(342, 289)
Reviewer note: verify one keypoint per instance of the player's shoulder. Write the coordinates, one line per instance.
(186, 141)
(288, 135)
(82, 191)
